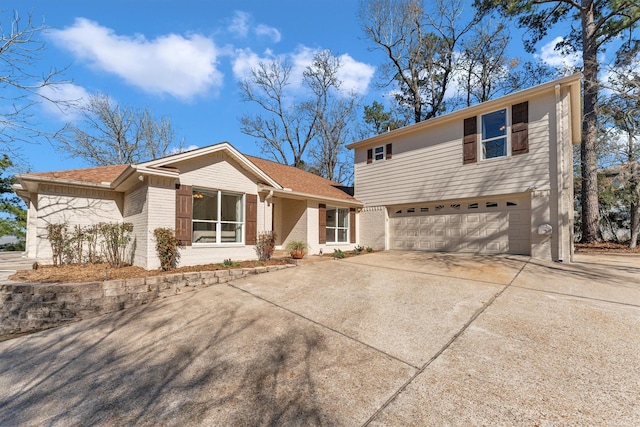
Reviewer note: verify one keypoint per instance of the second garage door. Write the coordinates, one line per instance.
(483, 226)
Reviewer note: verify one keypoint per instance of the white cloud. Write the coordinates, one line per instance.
(355, 76)
(63, 101)
(239, 24)
(270, 32)
(550, 56)
(179, 66)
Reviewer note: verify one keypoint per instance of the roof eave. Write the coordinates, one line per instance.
(572, 81)
(290, 194)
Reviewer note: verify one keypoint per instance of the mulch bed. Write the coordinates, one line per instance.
(606, 247)
(98, 272)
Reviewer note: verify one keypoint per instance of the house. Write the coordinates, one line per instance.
(217, 199)
(492, 178)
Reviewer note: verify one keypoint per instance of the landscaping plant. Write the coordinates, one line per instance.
(167, 248)
(266, 245)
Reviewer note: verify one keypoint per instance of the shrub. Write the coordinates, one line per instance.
(167, 248)
(338, 254)
(266, 245)
(115, 239)
(57, 236)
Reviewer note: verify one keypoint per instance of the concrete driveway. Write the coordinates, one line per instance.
(389, 339)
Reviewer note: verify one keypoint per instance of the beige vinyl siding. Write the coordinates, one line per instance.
(216, 171)
(161, 202)
(136, 212)
(428, 166)
(73, 206)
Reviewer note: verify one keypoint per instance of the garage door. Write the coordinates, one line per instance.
(483, 226)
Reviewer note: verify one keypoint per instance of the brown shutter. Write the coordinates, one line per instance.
(322, 223)
(251, 233)
(352, 224)
(388, 157)
(184, 213)
(470, 140)
(520, 128)
(369, 155)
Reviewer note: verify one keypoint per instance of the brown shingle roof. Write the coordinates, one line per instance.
(95, 175)
(301, 181)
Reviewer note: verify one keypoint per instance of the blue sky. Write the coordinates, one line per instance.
(184, 59)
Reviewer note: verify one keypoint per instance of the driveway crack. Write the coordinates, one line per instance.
(453, 339)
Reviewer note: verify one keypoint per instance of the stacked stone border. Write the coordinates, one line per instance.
(29, 307)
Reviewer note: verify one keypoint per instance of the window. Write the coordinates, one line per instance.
(218, 217)
(337, 225)
(378, 153)
(494, 134)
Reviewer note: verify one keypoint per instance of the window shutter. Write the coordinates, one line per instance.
(520, 128)
(251, 215)
(388, 157)
(184, 213)
(369, 155)
(352, 223)
(470, 140)
(322, 223)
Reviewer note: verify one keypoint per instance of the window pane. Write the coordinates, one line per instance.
(231, 209)
(494, 124)
(231, 233)
(495, 148)
(343, 217)
(205, 205)
(204, 232)
(331, 235)
(331, 217)
(342, 235)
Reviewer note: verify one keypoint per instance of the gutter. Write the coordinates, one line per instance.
(289, 194)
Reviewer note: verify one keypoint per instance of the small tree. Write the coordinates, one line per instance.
(167, 248)
(115, 239)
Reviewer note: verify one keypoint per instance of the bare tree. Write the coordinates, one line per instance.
(288, 127)
(420, 46)
(20, 84)
(316, 122)
(108, 134)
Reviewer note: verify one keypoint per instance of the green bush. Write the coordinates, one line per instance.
(115, 239)
(167, 248)
(338, 254)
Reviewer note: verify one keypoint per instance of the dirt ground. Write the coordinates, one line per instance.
(97, 272)
(606, 247)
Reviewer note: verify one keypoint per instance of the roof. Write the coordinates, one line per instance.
(96, 175)
(288, 177)
(301, 181)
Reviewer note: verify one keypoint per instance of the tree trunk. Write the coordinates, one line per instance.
(590, 211)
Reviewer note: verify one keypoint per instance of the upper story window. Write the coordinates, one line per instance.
(383, 152)
(494, 134)
(218, 217)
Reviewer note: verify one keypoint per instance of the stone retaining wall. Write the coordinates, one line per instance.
(27, 307)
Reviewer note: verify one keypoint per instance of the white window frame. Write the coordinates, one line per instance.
(337, 227)
(219, 222)
(481, 146)
(382, 153)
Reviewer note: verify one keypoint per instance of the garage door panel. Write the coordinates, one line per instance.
(483, 227)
